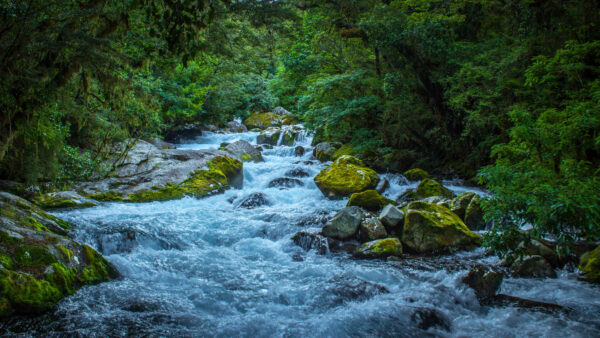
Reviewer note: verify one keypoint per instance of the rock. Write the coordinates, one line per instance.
(537, 248)
(269, 136)
(416, 174)
(391, 216)
(407, 197)
(381, 248)
(324, 151)
(550, 308)
(434, 228)
(589, 265)
(63, 199)
(345, 223)
(262, 121)
(427, 318)
(289, 134)
(244, 151)
(253, 200)
(369, 200)
(285, 183)
(354, 290)
(439, 200)
(460, 203)
(371, 229)
(297, 172)
(299, 151)
(382, 185)
(178, 134)
(280, 111)
(474, 214)
(484, 281)
(429, 188)
(533, 267)
(39, 264)
(151, 174)
(309, 241)
(236, 127)
(345, 176)
(160, 144)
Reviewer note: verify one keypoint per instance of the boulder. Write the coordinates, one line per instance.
(369, 200)
(429, 188)
(254, 200)
(589, 265)
(63, 199)
(324, 151)
(382, 185)
(381, 248)
(391, 216)
(439, 200)
(160, 144)
(280, 111)
(474, 214)
(460, 203)
(178, 134)
(371, 229)
(311, 241)
(406, 197)
(289, 135)
(269, 136)
(262, 121)
(345, 176)
(426, 318)
(297, 172)
(299, 151)
(245, 151)
(537, 248)
(236, 127)
(533, 267)
(434, 228)
(484, 282)
(39, 265)
(345, 223)
(285, 183)
(416, 174)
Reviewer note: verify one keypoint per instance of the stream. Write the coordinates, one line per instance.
(206, 267)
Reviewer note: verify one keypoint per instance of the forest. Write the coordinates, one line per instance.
(502, 94)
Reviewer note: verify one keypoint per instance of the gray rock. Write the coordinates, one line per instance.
(460, 203)
(160, 144)
(382, 185)
(345, 223)
(298, 172)
(537, 248)
(533, 267)
(324, 151)
(254, 200)
(309, 241)
(372, 229)
(281, 111)
(285, 183)
(299, 151)
(236, 127)
(63, 199)
(484, 282)
(426, 318)
(244, 151)
(391, 216)
(269, 136)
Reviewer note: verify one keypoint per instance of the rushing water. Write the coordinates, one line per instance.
(203, 267)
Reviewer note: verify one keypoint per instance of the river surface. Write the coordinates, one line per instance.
(204, 267)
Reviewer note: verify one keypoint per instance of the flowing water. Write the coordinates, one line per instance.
(205, 267)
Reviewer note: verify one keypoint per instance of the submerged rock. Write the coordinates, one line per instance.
(39, 265)
(269, 136)
(345, 223)
(285, 183)
(381, 248)
(324, 151)
(245, 151)
(429, 188)
(484, 281)
(299, 151)
(533, 267)
(416, 174)
(289, 135)
(391, 216)
(345, 176)
(433, 228)
(426, 318)
(254, 200)
(63, 199)
(309, 241)
(371, 229)
(369, 200)
(298, 172)
(262, 121)
(354, 290)
(589, 265)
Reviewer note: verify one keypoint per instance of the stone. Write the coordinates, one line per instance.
(426, 318)
(297, 172)
(382, 185)
(460, 203)
(345, 176)
(537, 248)
(262, 121)
(416, 174)
(406, 197)
(299, 151)
(63, 199)
(254, 200)
(269, 136)
(381, 248)
(391, 216)
(474, 214)
(244, 151)
(288, 135)
(369, 200)
(324, 151)
(236, 127)
(429, 188)
(533, 267)
(311, 241)
(179, 134)
(160, 144)
(434, 228)
(484, 282)
(589, 265)
(345, 223)
(285, 183)
(371, 229)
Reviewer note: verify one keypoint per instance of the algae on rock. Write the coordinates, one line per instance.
(345, 176)
(381, 248)
(430, 188)
(589, 265)
(369, 200)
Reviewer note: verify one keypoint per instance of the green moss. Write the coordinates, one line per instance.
(33, 223)
(416, 174)
(99, 268)
(231, 167)
(346, 149)
(9, 213)
(5, 307)
(589, 264)
(25, 294)
(5, 239)
(33, 256)
(262, 121)
(345, 176)
(63, 279)
(6, 261)
(459, 204)
(106, 196)
(66, 254)
(246, 157)
(370, 200)
(381, 248)
(429, 188)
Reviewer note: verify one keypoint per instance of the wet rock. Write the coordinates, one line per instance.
(355, 290)
(311, 241)
(345, 223)
(236, 127)
(434, 228)
(589, 265)
(318, 219)
(371, 229)
(382, 185)
(254, 200)
(474, 214)
(550, 308)
(381, 248)
(537, 248)
(391, 216)
(345, 176)
(427, 318)
(245, 151)
(324, 151)
(484, 281)
(269, 136)
(533, 267)
(178, 134)
(285, 183)
(416, 174)
(406, 197)
(429, 188)
(262, 121)
(297, 257)
(460, 203)
(299, 151)
(160, 144)
(347, 246)
(297, 172)
(289, 135)
(63, 199)
(369, 200)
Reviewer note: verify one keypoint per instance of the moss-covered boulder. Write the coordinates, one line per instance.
(474, 214)
(63, 199)
(589, 265)
(430, 188)
(345, 176)
(416, 174)
(325, 151)
(40, 266)
(244, 151)
(460, 203)
(262, 120)
(369, 200)
(269, 136)
(381, 248)
(434, 228)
